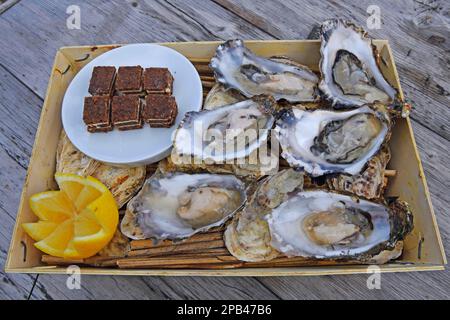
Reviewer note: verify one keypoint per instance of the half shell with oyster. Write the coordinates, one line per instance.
(234, 134)
(349, 66)
(178, 205)
(235, 66)
(325, 141)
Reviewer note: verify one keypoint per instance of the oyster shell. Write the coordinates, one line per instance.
(324, 141)
(218, 96)
(326, 225)
(283, 218)
(247, 237)
(370, 183)
(237, 67)
(249, 166)
(225, 135)
(322, 224)
(70, 160)
(350, 73)
(178, 205)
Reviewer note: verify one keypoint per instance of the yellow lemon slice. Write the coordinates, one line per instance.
(75, 222)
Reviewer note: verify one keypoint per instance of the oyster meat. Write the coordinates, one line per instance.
(237, 67)
(224, 134)
(283, 218)
(350, 73)
(323, 141)
(178, 205)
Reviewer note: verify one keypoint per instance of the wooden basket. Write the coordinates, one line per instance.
(423, 248)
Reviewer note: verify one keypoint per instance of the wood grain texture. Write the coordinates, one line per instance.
(39, 29)
(17, 127)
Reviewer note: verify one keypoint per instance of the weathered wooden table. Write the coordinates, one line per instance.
(32, 30)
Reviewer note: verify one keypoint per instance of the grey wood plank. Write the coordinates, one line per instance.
(39, 29)
(13, 286)
(14, 154)
(420, 51)
(51, 287)
(130, 288)
(17, 129)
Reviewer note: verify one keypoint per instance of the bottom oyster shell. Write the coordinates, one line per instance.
(327, 225)
(247, 237)
(370, 183)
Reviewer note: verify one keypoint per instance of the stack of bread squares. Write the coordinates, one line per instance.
(128, 97)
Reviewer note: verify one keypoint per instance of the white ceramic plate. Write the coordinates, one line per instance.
(140, 146)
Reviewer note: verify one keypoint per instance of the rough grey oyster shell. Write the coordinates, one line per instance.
(194, 148)
(369, 183)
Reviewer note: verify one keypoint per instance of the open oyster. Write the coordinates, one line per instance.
(350, 73)
(283, 218)
(224, 134)
(178, 205)
(322, 224)
(252, 165)
(237, 67)
(323, 141)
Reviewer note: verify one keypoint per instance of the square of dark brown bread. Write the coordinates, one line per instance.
(102, 80)
(159, 107)
(129, 79)
(96, 110)
(158, 80)
(125, 109)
